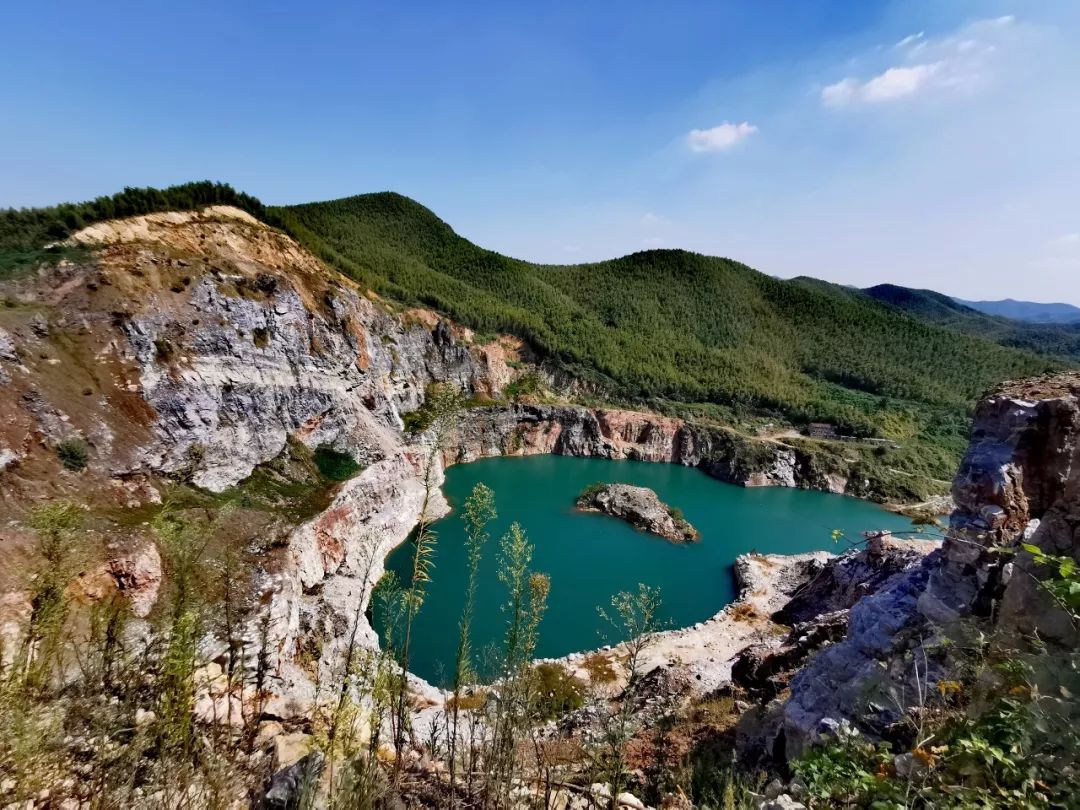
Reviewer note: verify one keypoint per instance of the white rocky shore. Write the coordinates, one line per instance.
(705, 651)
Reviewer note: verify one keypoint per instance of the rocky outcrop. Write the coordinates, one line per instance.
(817, 615)
(641, 508)
(211, 341)
(1019, 482)
(851, 576)
(136, 577)
(195, 344)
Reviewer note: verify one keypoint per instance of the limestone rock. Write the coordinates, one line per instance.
(7, 347)
(290, 748)
(605, 433)
(844, 580)
(136, 576)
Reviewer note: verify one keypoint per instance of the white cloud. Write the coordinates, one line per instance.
(719, 138)
(894, 83)
(899, 81)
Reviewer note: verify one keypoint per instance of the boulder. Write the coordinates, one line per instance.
(290, 787)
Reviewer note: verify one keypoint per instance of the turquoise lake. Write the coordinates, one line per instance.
(590, 556)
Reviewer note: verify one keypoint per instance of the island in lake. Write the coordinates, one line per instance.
(639, 506)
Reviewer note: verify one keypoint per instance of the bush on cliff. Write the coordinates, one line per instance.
(73, 454)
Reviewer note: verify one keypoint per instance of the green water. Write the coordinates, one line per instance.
(591, 556)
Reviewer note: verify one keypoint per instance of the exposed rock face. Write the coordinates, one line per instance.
(214, 340)
(641, 507)
(850, 577)
(1019, 482)
(578, 431)
(136, 577)
(210, 340)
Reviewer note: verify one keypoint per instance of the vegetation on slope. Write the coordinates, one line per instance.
(24, 232)
(657, 327)
(1055, 339)
(994, 726)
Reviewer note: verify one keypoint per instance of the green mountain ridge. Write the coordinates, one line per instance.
(674, 325)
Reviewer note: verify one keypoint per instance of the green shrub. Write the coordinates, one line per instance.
(590, 492)
(73, 454)
(556, 691)
(260, 335)
(528, 384)
(600, 668)
(334, 465)
(440, 399)
(163, 350)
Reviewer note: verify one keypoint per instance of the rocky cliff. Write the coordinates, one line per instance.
(196, 343)
(1019, 482)
(618, 434)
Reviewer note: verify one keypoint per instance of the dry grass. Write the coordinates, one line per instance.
(744, 612)
(469, 701)
(600, 668)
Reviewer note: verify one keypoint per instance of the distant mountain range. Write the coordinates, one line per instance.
(1030, 311)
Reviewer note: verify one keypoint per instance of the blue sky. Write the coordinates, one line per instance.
(924, 143)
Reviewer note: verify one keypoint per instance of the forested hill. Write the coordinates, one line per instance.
(676, 325)
(1054, 339)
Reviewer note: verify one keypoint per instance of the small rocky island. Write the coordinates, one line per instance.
(639, 506)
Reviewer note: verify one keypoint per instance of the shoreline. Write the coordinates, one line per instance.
(699, 647)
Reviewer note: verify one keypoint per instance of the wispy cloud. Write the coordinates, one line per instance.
(956, 61)
(719, 138)
(910, 39)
